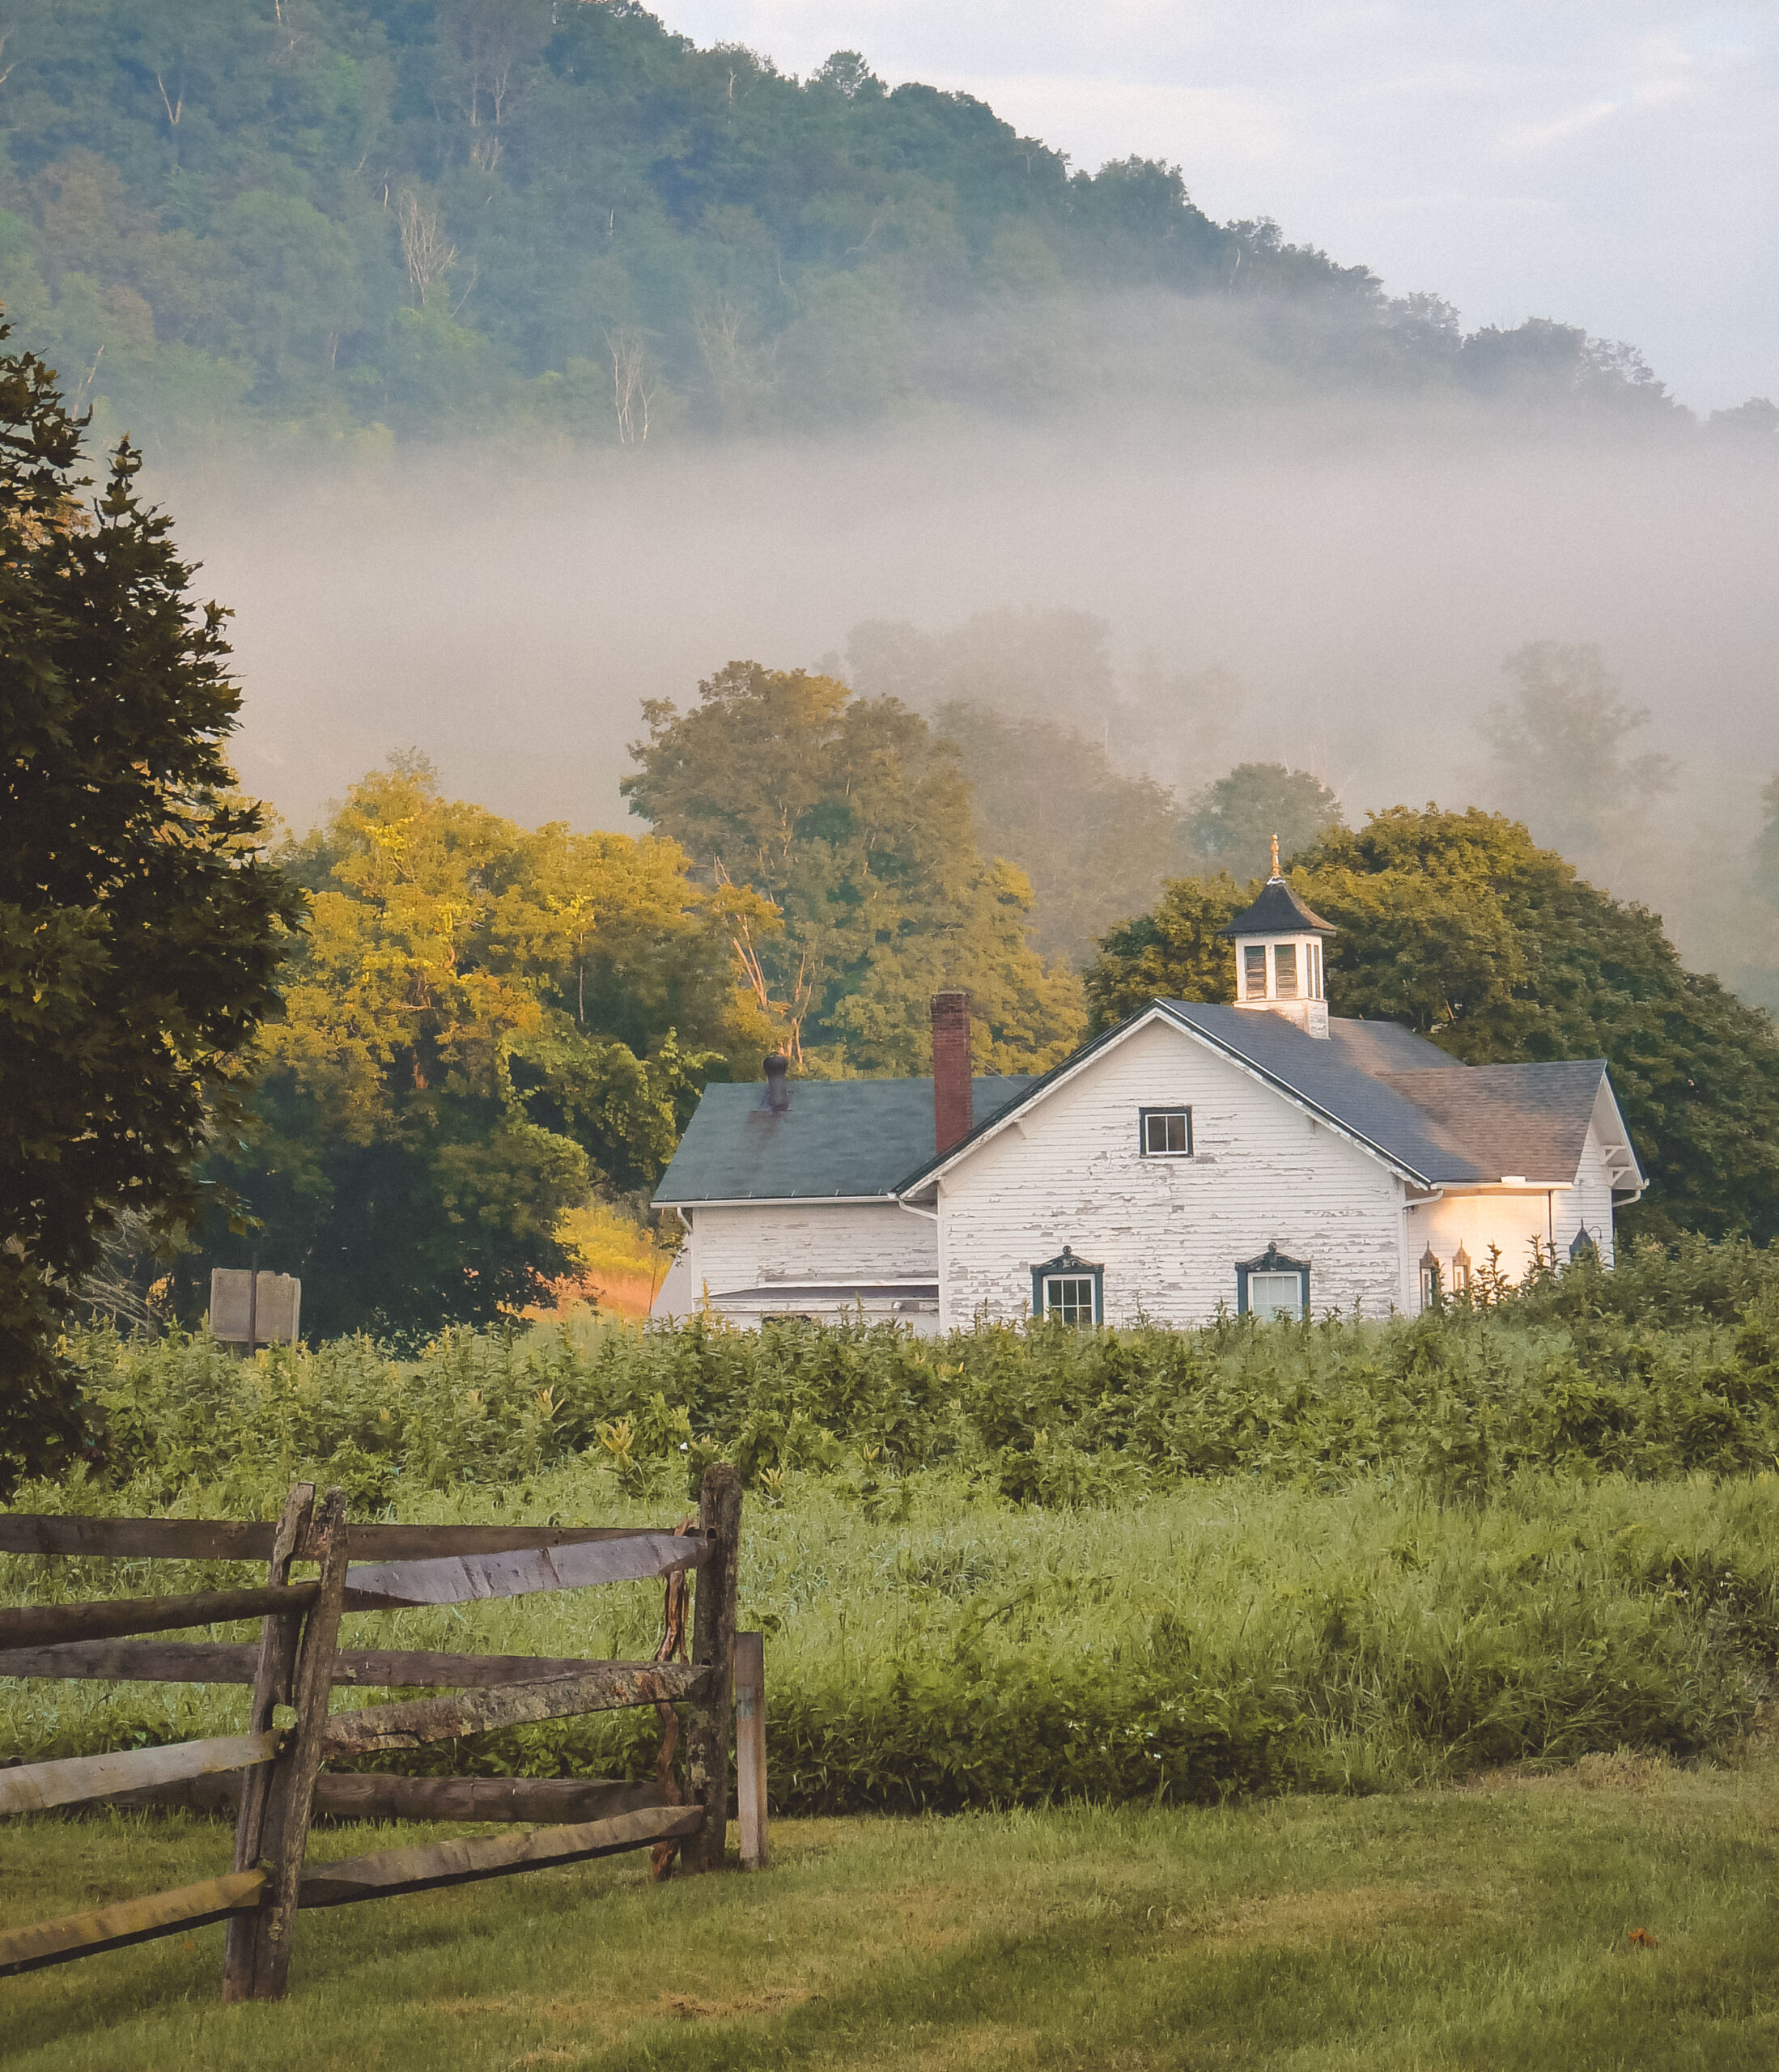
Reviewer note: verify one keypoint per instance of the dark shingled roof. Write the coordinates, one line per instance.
(1381, 1046)
(1440, 1123)
(1528, 1120)
(1278, 912)
(839, 1137)
(1320, 1072)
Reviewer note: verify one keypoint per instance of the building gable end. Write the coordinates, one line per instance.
(1015, 1116)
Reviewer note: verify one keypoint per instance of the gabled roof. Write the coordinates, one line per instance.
(847, 1140)
(1531, 1121)
(1325, 1075)
(1432, 1120)
(1315, 1071)
(1385, 1088)
(1278, 912)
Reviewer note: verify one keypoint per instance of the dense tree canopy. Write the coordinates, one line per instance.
(1459, 926)
(140, 930)
(1096, 843)
(854, 821)
(484, 1022)
(452, 216)
(1230, 824)
(1561, 755)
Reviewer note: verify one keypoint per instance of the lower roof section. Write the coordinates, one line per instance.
(833, 1300)
(840, 1139)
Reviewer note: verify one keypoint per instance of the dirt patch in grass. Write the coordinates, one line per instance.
(1624, 1770)
(770, 2000)
(1313, 1919)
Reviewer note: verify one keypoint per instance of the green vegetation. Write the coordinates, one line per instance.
(1459, 926)
(433, 218)
(1666, 1365)
(481, 1022)
(1229, 1615)
(935, 1648)
(140, 929)
(1423, 1932)
(853, 824)
(1165, 1565)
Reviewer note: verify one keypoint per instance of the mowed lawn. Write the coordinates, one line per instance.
(1623, 1914)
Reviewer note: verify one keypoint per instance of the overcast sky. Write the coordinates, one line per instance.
(1611, 163)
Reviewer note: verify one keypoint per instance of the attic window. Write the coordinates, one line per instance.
(1166, 1133)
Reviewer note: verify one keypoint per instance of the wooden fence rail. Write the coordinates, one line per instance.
(273, 1775)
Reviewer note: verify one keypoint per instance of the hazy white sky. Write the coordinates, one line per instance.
(1611, 163)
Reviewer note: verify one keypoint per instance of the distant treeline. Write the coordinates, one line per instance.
(465, 218)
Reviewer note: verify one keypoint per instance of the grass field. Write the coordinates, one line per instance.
(1489, 1925)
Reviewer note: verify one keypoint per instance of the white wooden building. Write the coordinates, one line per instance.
(1267, 1157)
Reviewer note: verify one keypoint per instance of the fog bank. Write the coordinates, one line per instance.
(1361, 583)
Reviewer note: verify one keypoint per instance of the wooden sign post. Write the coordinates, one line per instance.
(251, 1309)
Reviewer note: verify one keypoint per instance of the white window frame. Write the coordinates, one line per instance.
(1272, 1263)
(1145, 1116)
(1056, 1302)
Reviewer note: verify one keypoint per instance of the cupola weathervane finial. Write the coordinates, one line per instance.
(1274, 856)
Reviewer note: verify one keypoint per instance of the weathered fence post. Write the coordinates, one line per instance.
(279, 1638)
(750, 1749)
(292, 1793)
(713, 1644)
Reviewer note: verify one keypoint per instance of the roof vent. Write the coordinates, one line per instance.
(778, 1084)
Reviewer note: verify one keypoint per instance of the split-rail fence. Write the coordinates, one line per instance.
(274, 1770)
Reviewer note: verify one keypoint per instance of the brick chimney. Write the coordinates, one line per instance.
(952, 1113)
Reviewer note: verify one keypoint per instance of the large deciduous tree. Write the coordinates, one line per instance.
(140, 928)
(484, 1022)
(854, 823)
(1230, 824)
(1459, 926)
(1560, 753)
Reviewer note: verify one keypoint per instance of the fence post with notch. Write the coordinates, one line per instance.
(713, 1650)
(273, 1670)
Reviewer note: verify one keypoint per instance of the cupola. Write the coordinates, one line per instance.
(1278, 956)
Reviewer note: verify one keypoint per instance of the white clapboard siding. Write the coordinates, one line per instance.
(1476, 1221)
(1168, 1231)
(1591, 1203)
(1514, 1222)
(797, 1242)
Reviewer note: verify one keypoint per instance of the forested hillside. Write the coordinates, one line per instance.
(362, 219)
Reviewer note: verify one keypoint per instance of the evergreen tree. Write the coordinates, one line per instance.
(141, 928)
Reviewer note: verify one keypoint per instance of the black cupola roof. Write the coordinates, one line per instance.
(1278, 912)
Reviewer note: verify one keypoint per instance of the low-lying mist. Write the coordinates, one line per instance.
(1328, 590)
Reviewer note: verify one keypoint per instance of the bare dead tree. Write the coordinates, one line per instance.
(794, 1012)
(428, 254)
(721, 332)
(493, 40)
(631, 391)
